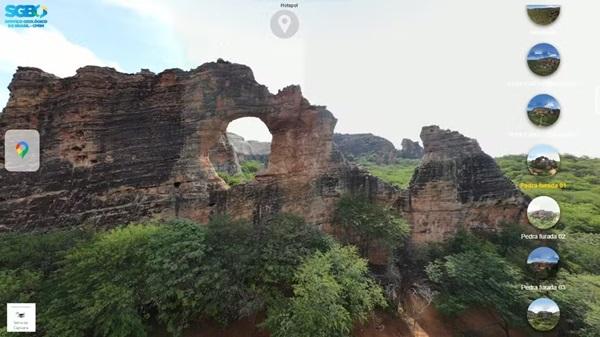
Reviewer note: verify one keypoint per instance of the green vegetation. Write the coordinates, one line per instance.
(484, 272)
(543, 116)
(129, 281)
(543, 219)
(472, 273)
(331, 291)
(543, 321)
(544, 67)
(543, 16)
(579, 201)
(366, 224)
(249, 170)
(397, 174)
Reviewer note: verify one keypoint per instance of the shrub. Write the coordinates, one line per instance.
(27, 259)
(100, 291)
(474, 275)
(580, 302)
(248, 173)
(366, 223)
(331, 291)
(249, 264)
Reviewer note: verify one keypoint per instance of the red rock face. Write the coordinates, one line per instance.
(118, 148)
(121, 147)
(458, 185)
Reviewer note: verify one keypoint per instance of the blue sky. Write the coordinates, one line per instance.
(101, 31)
(543, 254)
(543, 6)
(543, 100)
(542, 50)
(544, 304)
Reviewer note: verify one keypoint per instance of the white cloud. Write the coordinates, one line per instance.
(47, 49)
(146, 8)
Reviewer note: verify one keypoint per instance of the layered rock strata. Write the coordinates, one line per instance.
(118, 147)
(458, 185)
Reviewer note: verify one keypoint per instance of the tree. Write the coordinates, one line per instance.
(332, 290)
(367, 223)
(476, 276)
(249, 265)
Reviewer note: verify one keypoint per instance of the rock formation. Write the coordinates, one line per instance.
(224, 156)
(410, 150)
(122, 147)
(365, 145)
(458, 185)
(249, 149)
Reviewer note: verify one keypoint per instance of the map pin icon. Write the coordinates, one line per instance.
(284, 22)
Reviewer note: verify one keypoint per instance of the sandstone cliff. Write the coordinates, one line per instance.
(458, 185)
(123, 147)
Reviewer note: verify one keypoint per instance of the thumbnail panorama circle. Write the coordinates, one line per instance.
(543, 262)
(543, 59)
(543, 110)
(543, 314)
(543, 212)
(543, 160)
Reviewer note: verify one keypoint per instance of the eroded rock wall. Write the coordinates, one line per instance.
(458, 185)
(123, 147)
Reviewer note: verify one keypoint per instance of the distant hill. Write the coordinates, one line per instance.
(366, 146)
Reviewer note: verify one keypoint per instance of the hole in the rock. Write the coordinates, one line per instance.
(243, 152)
(177, 184)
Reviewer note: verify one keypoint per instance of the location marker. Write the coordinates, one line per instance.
(22, 148)
(284, 22)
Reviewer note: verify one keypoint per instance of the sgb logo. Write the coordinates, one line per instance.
(25, 11)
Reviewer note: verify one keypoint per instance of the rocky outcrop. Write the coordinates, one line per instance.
(249, 149)
(122, 147)
(365, 145)
(410, 150)
(224, 157)
(458, 185)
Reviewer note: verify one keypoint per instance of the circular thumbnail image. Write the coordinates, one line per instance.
(543, 212)
(543, 14)
(543, 110)
(543, 160)
(543, 314)
(543, 262)
(543, 59)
